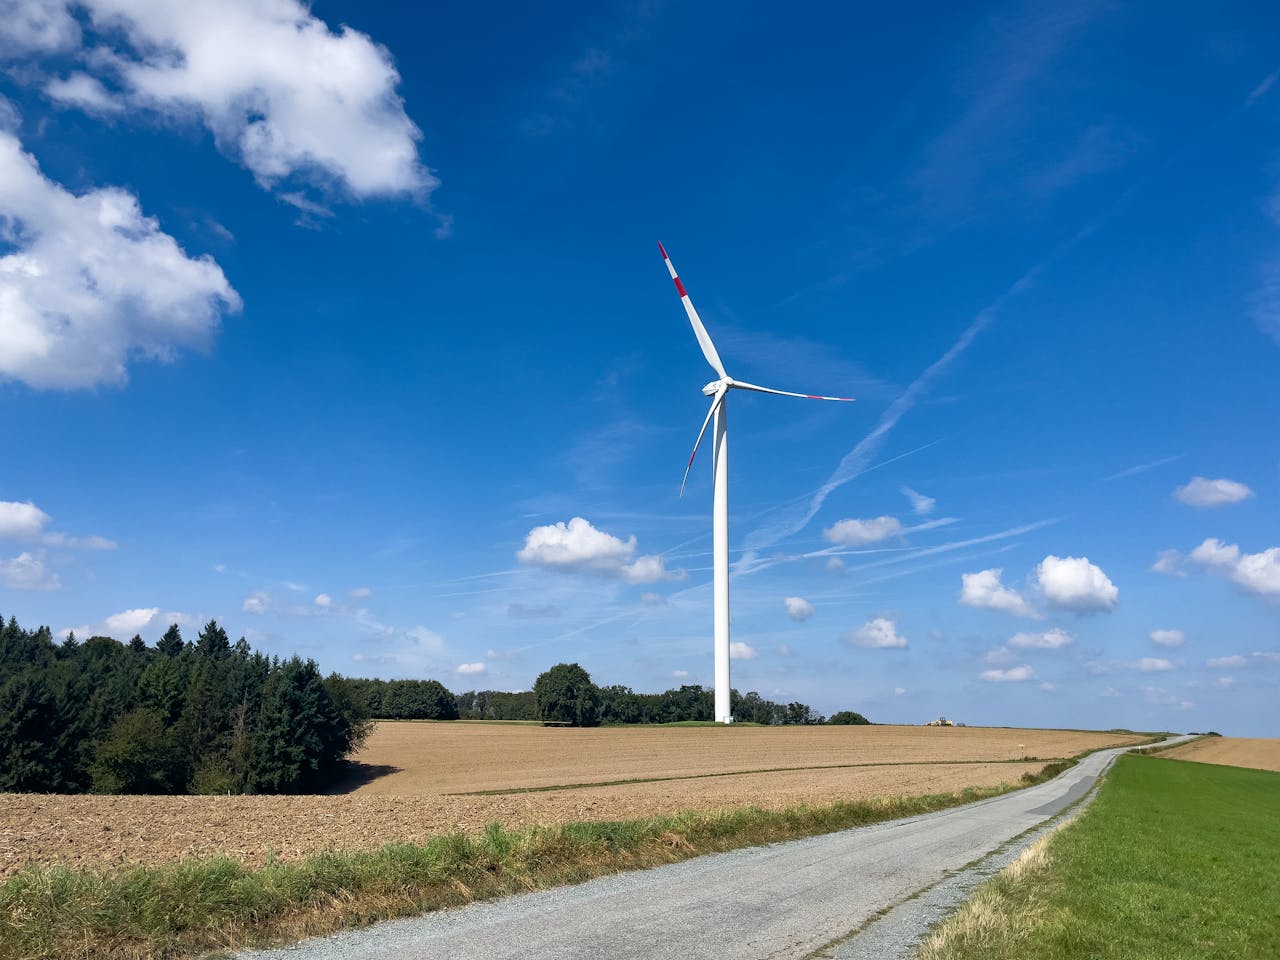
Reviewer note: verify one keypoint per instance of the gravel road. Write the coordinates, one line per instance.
(785, 900)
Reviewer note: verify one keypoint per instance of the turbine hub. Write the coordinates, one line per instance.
(711, 388)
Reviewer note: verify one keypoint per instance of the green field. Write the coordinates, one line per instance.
(1173, 860)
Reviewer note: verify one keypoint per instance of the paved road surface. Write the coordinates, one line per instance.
(785, 900)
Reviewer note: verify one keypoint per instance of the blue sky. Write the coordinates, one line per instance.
(346, 325)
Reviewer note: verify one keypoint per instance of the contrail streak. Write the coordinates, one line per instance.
(856, 460)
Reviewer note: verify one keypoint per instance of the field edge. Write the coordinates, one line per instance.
(188, 908)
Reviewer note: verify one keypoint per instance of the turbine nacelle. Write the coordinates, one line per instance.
(715, 386)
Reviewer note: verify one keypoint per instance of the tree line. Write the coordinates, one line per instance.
(566, 694)
(210, 716)
(207, 716)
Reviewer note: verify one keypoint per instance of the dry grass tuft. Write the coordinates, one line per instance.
(991, 913)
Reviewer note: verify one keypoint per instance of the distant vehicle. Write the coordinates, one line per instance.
(941, 722)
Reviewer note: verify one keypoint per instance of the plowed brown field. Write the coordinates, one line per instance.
(1230, 752)
(462, 757)
(716, 768)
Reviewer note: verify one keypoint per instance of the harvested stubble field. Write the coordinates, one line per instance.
(415, 771)
(1230, 752)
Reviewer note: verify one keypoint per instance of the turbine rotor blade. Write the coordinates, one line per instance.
(787, 393)
(715, 405)
(699, 331)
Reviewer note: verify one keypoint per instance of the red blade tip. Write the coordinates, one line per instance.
(663, 250)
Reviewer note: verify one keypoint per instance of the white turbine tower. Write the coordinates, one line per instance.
(718, 390)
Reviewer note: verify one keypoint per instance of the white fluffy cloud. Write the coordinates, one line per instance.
(1257, 572)
(470, 668)
(920, 504)
(1203, 492)
(323, 600)
(36, 26)
(1073, 583)
(21, 521)
(578, 546)
(880, 633)
(741, 651)
(856, 533)
(984, 589)
(27, 571)
(26, 521)
(90, 283)
(256, 603)
(1235, 660)
(1168, 638)
(282, 92)
(1053, 639)
(1154, 664)
(798, 608)
(1012, 675)
(129, 622)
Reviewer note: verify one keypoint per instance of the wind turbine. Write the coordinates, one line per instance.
(718, 390)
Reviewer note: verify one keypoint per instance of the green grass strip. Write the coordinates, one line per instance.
(185, 909)
(1173, 859)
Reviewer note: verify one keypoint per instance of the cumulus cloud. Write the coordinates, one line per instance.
(129, 622)
(741, 651)
(256, 603)
(1053, 639)
(1235, 660)
(984, 590)
(1012, 675)
(126, 623)
(1203, 492)
(471, 668)
(798, 609)
(88, 283)
(25, 521)
(920, 504)
(879, 633)
(1256, 572)
(281, 91)
(856, 533)
(680, 674)
(1154, 664)
(1073, 583)
(578, 546)
(27, 571)
(21, 521)
(835, 564)
(37, 26)
(999, 655)
(323, 600)
(1168, 638)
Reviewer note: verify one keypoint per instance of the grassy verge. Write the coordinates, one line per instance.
(184, 909)
(1173, 859)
